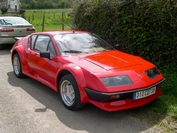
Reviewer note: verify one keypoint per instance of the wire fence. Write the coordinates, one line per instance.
(49, 20)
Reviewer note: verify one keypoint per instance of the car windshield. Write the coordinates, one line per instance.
(80, 43)
(16, 21)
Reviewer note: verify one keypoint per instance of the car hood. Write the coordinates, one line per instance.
(112, 60)
(108, 60)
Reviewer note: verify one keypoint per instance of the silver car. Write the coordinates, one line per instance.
(13, 27)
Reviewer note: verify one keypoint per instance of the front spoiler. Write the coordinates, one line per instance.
(126, 103)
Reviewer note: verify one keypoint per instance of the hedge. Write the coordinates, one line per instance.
(146, 28)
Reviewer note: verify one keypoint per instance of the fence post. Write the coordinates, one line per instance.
(33, 16)
(43, 20)
(62, 20)
(29, 19)
(54, 15)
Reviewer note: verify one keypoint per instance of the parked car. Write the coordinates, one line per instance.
(11, 27)
(83, 68)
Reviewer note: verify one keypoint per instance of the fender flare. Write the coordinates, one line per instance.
(78, 74)
(20, 50)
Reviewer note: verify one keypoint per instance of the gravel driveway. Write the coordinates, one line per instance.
(27, 106)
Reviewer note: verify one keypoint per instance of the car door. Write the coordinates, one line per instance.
(43, 68)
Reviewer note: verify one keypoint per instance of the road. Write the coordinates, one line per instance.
(27, 106)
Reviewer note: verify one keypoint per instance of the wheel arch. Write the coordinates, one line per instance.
(79, 78)
(20, 51)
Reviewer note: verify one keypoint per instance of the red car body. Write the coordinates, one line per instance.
(91, 71)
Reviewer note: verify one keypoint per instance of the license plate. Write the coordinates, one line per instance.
(144, 93)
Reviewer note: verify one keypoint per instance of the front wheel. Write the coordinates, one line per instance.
(69, 93)
(17, 66)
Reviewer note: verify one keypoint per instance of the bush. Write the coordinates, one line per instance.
(22, 12)
(144, 28)
(4, 10)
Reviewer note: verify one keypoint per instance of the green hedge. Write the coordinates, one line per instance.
(4, 10)
(144, 28)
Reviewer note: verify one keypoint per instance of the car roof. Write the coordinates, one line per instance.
(61, 32)
(9, 17)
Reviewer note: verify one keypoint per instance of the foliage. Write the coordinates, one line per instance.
(4, 10)
(144, 28)
(169, 88)
(22, 12)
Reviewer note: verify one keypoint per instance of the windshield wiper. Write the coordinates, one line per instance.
(72, 51)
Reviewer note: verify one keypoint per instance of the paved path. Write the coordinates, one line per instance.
(27, 106)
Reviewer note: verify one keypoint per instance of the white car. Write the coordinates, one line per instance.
(13, 27)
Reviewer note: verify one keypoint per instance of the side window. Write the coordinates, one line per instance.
(33, 38)
(29, 42)
(41, 43)
(51, 49)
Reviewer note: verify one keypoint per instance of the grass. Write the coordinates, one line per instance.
(163, 111)
(52, 21)
(169, 88)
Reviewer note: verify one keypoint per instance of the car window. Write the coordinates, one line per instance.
(2, 22)
(80, 43)
(51, 48)
(41, 43)
(16, 20)
(31, 41)
(44, 43)
(33, 38)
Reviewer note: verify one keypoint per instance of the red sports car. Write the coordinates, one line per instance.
(83, 68)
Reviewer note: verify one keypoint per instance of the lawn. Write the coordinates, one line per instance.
(51, 19)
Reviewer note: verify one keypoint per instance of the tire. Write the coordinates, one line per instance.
(17, 66)
(1, 46)
(69, 93)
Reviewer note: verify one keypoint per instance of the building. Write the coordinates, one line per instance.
(12, 5)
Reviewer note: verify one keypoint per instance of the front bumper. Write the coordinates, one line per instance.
(120, 100)
(125, 104)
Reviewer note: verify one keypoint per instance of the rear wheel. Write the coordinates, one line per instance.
(1, 46)
(69, 93)
(17, 66)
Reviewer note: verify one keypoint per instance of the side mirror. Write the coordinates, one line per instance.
(117, 46)
(45, 55)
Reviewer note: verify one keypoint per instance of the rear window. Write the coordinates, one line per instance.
(13, 21)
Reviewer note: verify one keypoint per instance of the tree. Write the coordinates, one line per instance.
(4, 10)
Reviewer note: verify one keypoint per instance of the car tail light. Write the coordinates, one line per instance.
(30, 29)
(6, 30)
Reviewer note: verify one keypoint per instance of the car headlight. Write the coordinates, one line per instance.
(116, 81)
(152, 73)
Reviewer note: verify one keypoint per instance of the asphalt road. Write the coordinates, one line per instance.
(27, 106)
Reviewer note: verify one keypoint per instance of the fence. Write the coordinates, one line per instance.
(49, 20)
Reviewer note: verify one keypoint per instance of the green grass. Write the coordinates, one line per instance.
(52, 20)
(165, 107)
(169, 88)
